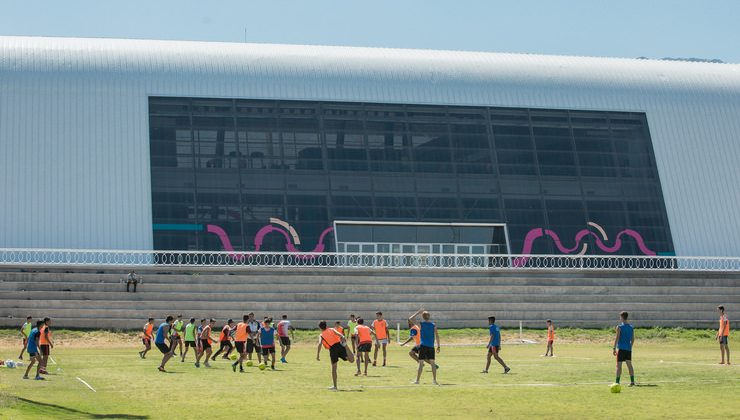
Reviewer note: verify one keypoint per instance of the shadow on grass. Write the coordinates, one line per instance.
(58, 411)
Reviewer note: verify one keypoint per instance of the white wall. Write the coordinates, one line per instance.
(74, 162)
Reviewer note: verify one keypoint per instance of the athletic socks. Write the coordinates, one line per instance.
(617, 379)
(632, 379)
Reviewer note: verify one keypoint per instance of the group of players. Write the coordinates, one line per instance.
(250, 336)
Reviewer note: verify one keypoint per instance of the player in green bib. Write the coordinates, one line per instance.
(25, 332)
(176, 332)
(351, 324)
(190, 331)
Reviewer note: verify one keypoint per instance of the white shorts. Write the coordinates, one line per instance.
(383, 341)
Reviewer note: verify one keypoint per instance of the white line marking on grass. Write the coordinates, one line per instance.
(86, 384)
(52, 360)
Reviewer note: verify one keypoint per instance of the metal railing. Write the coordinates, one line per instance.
(125, 258)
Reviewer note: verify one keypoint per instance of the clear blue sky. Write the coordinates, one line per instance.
(621, 28)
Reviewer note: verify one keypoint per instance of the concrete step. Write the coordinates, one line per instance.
(11, 298)
(370, 288)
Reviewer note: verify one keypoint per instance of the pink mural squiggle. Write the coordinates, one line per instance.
(260, 236)
(536, 233)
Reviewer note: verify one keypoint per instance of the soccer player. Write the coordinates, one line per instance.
(252, 343)
(225, 340)
(338, 327)
(429, 335)
(205, 343)
(240, 341)
(163, 334)
(198, 343)
(283, 328)
(550, 338)
(364, 335)
(190, 331)
(266, 338)
(623, 342)
(351, 324)
(177, 332)
(723, 334)
(45, 344)
(494, 345)
(146, 337)
(380, 327)
(413, 335)
(25, 331)
(32, 347)
(334, 341)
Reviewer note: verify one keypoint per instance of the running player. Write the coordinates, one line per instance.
(163, 334)
(413, 335)
(177, 332)
(252, 343)
(198, 343)
(338, 327)
(723, 335)
(494, 345)
(190, 331)
(25, 331)
(351, 324)
(32, 347)
(283, 328)
(240, 341)
(46, 344)
(429, 335)
(550, 338)
(380, 327)
(364, 336)
(225, 340)
(146, 337)
(623, 343)
(266, 338)
(334, 341)
(205, 343)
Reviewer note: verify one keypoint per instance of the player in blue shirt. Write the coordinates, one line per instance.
(494, 345)
(163, 334)
(428, 336)
(266, 338)
(32, 347)
(623, 342)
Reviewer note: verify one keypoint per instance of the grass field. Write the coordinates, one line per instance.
(677, 370)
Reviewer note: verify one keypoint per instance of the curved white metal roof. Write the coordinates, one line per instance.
(365, 66)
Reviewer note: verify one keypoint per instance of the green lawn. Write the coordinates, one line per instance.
(677, 369)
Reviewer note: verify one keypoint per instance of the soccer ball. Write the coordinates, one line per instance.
(10, 364)
(262, 366)
(615, 388)
(233, 357)
(249, 363)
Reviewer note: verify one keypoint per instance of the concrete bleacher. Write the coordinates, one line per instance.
(96, 298)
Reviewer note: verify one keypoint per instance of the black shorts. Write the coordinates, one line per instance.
(268, 350)
(723, 339)
(32, 355)
(44, 349)
(204, 344)
(336, 352)
(492, 348)
(164, 348)
(285, 341)
(146, 341)
(190, 344)
(426, 353)
(250, 345)
(365, 347)
(415, 349)
(240, 346)
(624, 355)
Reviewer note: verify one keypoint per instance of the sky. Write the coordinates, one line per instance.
(618, 28)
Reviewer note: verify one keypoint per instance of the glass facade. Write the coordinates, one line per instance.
(275, 174)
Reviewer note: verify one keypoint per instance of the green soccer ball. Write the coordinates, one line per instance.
(233, 357)
(615, 388)
(249, 363)
(262, 366)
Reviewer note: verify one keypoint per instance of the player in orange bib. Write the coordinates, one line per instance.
(380, 327)
(45, 344)
(205, 343)
(414, 334)
(240, 342)
(335, 342)
(723, 334)
(550, 339)
(146, 337)
(364, 337)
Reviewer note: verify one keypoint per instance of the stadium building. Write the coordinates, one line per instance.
(164, 145)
